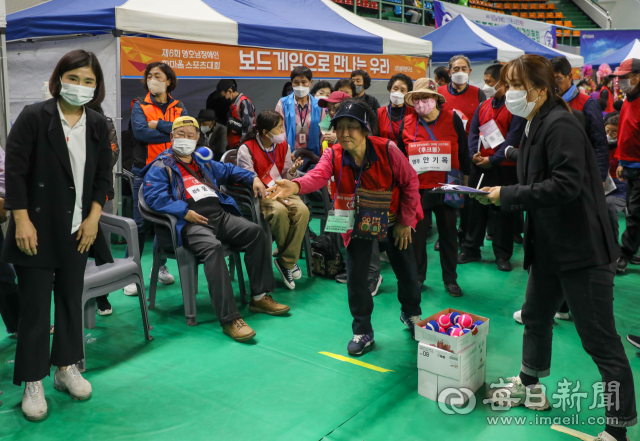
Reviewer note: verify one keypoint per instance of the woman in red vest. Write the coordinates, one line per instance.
(390, 117)
(606, 96)
(264, 151)
(367, 171)
(436, 144)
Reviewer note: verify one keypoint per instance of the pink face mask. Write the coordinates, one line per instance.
(425, 106)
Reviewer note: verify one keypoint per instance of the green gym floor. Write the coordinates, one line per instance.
(195, 383)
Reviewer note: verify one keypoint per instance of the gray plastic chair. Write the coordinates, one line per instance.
(187, 262)
(110, 277)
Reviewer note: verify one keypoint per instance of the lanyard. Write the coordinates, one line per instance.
(265, 150)
(306, 113)
(426, 126)
(395, 135)
(340, 178)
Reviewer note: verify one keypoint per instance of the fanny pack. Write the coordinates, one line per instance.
(372, 215)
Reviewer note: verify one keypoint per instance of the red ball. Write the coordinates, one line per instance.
(465, 320)
(444, 321)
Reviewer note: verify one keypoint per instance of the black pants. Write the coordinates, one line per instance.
(631, 236)
(205, 241)
(589, 293)
(9, 298)
(446, 221)
(360, 300)
(479, 214)
(33, 362)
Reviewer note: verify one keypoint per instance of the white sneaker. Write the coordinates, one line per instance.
(517, 316)
(296, 272)
(34, 406)
(70, 380)
(515, 394)
(564, 316)
(131, 290)
(164, 277)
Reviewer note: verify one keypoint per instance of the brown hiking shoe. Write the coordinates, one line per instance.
(238, 330)
(268, 306)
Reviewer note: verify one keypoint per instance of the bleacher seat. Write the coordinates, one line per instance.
(559, 23)
(515, 14)
(540, 15)
(568, 24)
(534, 6)
(508, 6)
(551, 16)
(516, 6)
(559, 16)
(524, 6)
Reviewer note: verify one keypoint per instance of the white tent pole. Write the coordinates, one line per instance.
(118, 202)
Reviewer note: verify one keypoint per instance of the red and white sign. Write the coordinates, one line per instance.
(429, 156)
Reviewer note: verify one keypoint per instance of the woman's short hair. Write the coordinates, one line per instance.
(400, 77)
(320, 85)
(346, 82)
(266, 120)
(366, 79)
(166, 69)
(75, 60)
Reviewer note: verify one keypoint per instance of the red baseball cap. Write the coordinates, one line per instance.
(335, 97)
(630, 65)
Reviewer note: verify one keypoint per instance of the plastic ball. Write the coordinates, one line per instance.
(432, 326)
(456, 332)
(465, 320)
(454, 317)
(204, 153)
(444, 321)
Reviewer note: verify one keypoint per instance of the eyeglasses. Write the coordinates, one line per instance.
(560, 79)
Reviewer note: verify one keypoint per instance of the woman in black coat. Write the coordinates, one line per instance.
(57, 178)
(569, 247)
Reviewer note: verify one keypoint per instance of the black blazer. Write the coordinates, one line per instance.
(39, 179)
(560, 188)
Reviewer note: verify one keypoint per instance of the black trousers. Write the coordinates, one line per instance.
(589, 293)
(205, 241)
(479, 214)
(631, 236)
(360, 300)
(33, 361)
(446, 220)
(9, 298)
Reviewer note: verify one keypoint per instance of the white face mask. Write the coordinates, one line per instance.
(205, 129)
(277, 139)
(75, 94)
(157, 87)
(489, 91)
(611, 140)
(184, 146)
(626, 86)
(301, 91)
(460, 78)
(517, 104)
(397, 98)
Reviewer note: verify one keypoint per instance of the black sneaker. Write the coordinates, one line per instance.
(635, 260)
(436, 246)
(467, 258)
(342, 277)
(634, 340)
(296, 272)
(104, 307)
(287, 275)
(361, 344)
(518, 239)
(504, 265)
(621, 266)
(410, 321)
(374, 284)
(453, 289)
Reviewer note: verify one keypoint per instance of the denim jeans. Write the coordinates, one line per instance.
(589, 293)
(144, 227)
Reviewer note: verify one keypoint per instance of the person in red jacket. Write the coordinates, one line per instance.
(390, 118)
(493, 129)
(606, 96)
(628, 153)
(436, 144)
(242, 113)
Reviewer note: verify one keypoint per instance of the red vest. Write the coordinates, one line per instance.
(466, 102)
(579, 101)
(389, 129)
(629, 132)
(502, 117)
(263, 161)
(443, 131)
(234, 136)
(378, 177)
(145, 153)
(609, 107)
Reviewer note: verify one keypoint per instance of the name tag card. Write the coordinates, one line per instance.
(429, 156)
(337, 223)
(491, 134)
(201, 191)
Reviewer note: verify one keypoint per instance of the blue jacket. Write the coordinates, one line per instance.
(164, 188)
(289, 107)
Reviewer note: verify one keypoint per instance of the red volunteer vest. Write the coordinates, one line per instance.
(389, 129)
(378, 177)
(466, 102)
(233, 139)
(502, 117)
(609, 107)
(263, 161)
(443, 131)
(153, 113)
(629, 132)
(579, 101)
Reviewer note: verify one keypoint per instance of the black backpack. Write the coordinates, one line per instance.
(326, 256)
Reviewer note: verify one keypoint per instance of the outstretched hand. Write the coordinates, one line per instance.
(282, 189)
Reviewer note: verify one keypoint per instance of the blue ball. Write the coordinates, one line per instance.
(466, 331)
(204, 153)
(476, 324)
(450, 329)
(454, 317)
(432, 325)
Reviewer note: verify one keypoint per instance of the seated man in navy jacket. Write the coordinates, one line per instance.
(183, 185)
